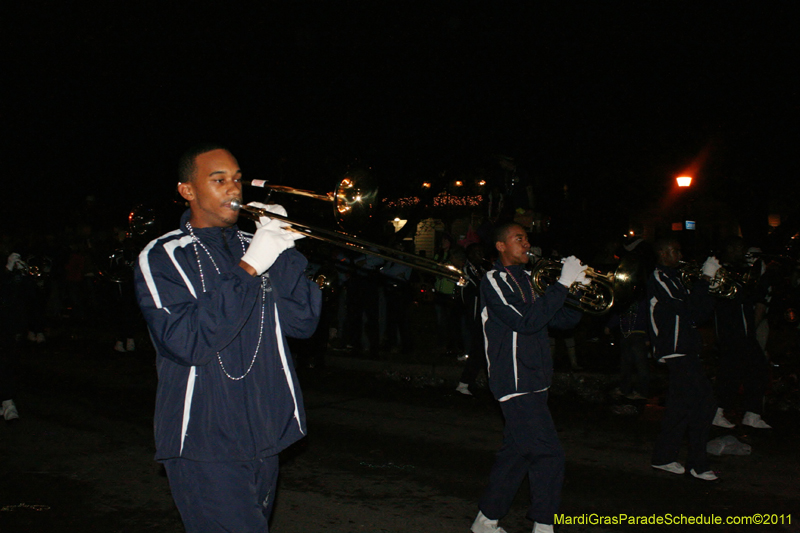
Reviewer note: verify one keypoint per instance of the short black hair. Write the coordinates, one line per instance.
(186, 163)
(473, 248)
(458, 253)
(731, 248)
(501, 231)
(663, 243)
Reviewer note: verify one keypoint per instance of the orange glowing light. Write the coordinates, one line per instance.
(684, 181)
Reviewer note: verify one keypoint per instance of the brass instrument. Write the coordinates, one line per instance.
(142, 222)
(116, 265)
(354, 201)
(785, 260)
(725, 283)
(323, 282)
(603, 291)
(37, 267)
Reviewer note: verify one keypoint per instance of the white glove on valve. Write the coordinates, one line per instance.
(583, 279)
(571, 271)
(710, 267)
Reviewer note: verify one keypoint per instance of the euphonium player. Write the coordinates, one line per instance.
(742, 363)
(515, 322)
(675, 312)
(219, 303)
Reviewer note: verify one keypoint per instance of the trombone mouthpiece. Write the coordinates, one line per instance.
(236, 205)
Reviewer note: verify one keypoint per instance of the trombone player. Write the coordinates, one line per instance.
(219, 304)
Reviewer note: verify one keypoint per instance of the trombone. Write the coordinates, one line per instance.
(354, 202)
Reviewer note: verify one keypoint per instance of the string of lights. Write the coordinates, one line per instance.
(442, 200)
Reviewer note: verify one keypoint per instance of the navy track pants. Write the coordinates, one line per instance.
(224, 497)
(530, 448)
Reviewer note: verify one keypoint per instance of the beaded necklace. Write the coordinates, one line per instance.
(196, 241)
(264, 289)
(533, 294)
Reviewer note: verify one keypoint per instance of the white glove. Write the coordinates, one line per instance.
(583, 279)
(275, 224)
(266, 246)
(571, 270)
(276, 209)
(710, 267)
(14, 261)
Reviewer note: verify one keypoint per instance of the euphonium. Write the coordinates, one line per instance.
(724, 284)
(600, 294)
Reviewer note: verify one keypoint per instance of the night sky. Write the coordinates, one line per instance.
(611, 98)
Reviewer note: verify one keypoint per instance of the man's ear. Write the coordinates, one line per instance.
(500, 246)
(186, 191)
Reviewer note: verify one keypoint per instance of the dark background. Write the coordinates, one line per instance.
(612, 99)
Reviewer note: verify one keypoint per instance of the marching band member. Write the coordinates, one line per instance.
(520, 368)
(674, 313)
(219, 304)
(742, 362)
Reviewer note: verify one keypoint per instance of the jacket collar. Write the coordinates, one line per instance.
(670, 271)
(518, 271)
(207, 233)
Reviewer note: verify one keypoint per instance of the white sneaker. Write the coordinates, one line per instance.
(754, 421)
(721, 421)
(10, 410)
(484, 525)
(130, 345)
(672, 468)
(542, 528)
(119, 347)
(463, 388)
(705, 476)
(40, 338)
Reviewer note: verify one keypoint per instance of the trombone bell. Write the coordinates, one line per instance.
(355, 198)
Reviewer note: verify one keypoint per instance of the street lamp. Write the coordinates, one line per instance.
(684, 182)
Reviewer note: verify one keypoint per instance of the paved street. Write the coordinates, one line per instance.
(391, 448)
